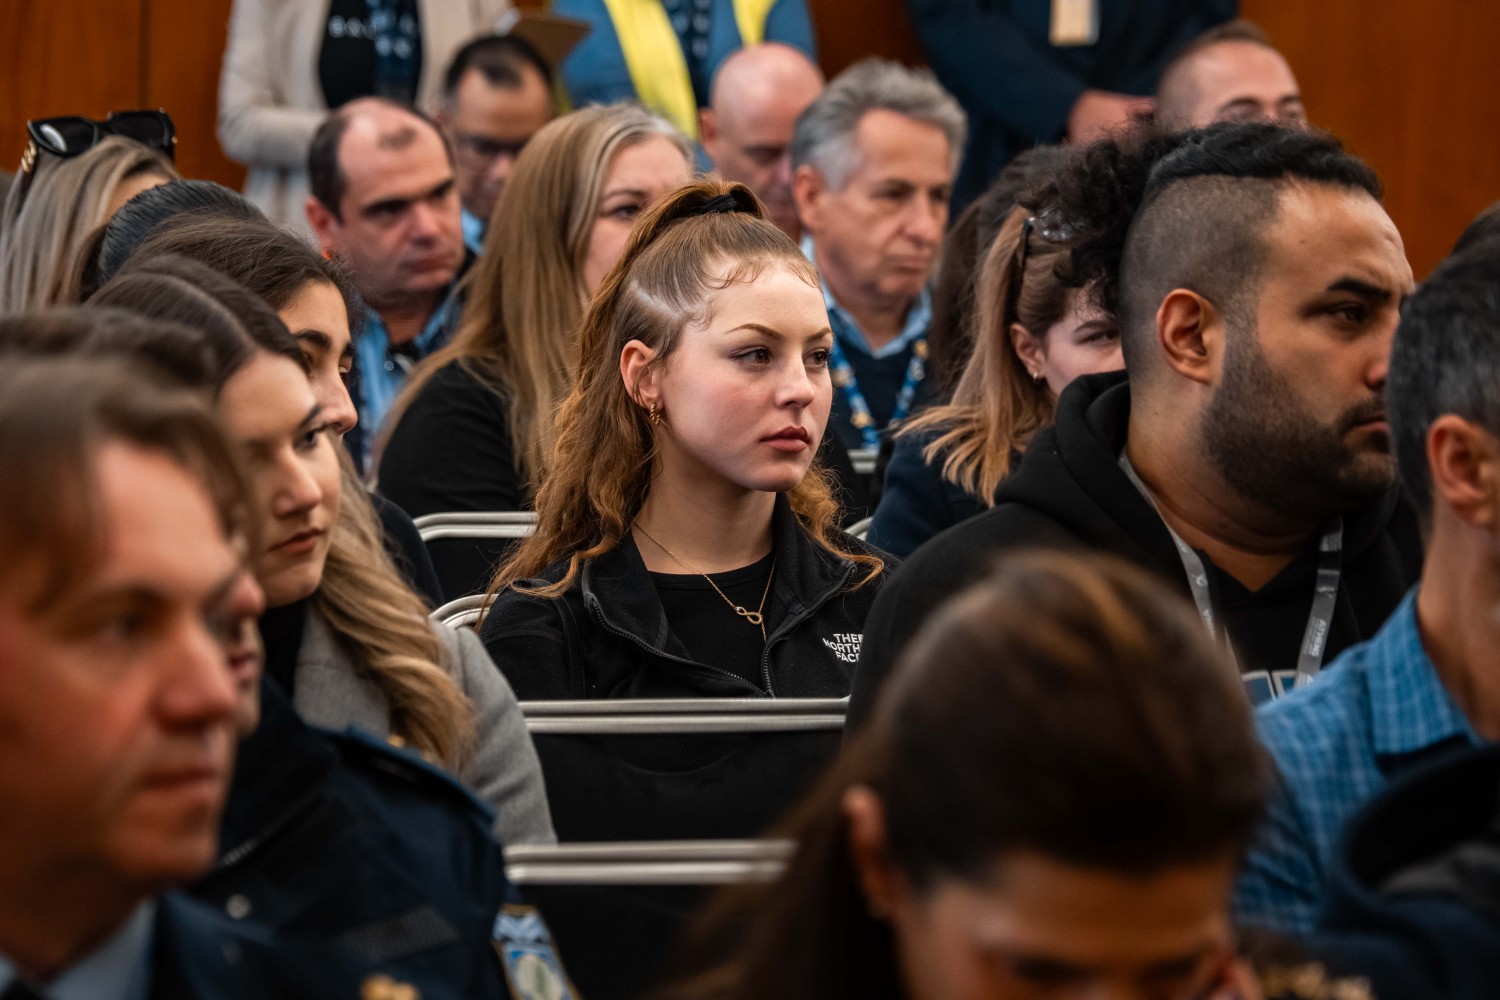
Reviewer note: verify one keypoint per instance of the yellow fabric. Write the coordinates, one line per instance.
(653, 54)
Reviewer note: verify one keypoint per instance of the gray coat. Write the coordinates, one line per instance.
(332, 692)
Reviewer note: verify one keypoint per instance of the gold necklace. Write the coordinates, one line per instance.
(756, 617)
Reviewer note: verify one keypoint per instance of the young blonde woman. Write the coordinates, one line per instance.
(345, 637)
(472, 429)
(687, 545)
(49, 215)
(1034, 334)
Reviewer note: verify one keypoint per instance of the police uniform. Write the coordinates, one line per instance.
(376, 865)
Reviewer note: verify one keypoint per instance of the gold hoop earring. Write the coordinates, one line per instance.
(654, 415)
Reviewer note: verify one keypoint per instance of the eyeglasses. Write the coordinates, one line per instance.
(72, 135)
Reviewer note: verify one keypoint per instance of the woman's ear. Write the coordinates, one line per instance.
(870, 851)
(1030, 349)
(638, 374)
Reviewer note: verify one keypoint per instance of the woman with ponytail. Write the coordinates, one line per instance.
(345, 637)
(687, 543)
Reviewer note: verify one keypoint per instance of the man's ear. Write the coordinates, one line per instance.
(869, 850)
(708, 133)
(1463, 461)
(808, 190)
(639, 375)
(1190, 332)
(324, 225)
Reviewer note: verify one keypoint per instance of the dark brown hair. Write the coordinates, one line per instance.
(56, 413)
(1064, 705)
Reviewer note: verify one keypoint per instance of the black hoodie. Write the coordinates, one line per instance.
(1070, 492)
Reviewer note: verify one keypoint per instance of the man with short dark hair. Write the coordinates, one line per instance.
(1228, 73)
(746, 130)
(496, 95)
(1246, 459)
(1429, 682)
(873, 160)
(385, 201)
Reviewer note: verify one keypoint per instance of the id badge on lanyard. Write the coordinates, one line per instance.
(1074, 23)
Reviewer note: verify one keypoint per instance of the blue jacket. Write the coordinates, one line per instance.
(368, 858)
(916, 502)
(997, 59)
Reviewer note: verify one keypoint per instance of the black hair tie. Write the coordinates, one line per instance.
(717, 205)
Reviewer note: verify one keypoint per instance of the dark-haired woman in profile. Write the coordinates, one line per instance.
(687, 544)
(1067, 826)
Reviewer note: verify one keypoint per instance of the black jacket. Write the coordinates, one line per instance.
(1414, 889)
(608, 637)
(363, 855)
(1070, 492)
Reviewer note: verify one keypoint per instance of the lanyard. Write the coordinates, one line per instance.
(859, 409)
(1325, 589)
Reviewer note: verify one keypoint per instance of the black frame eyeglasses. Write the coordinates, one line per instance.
(67, 136)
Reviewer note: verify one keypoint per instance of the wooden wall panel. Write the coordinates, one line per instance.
(849, 30)
(184, 46)
(61, 57)
(1415, 90)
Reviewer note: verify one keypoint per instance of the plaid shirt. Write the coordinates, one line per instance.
(1334, 744)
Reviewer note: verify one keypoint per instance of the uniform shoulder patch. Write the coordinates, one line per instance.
(528, 956)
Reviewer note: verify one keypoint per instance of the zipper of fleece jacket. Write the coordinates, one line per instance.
(598, 610)
(790, 623)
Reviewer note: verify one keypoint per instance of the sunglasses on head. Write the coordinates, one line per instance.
(68, 136)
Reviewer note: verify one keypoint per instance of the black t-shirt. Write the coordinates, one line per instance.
(349, 65)
(708, 626)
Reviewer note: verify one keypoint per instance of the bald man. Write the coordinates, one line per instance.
(747, 128)
(1230, 73)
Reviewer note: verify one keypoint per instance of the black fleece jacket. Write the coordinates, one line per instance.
(608, 637)
(1069, 492)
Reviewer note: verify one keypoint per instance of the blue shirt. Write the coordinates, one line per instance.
(1333, 744)
(382, 372)
(119, 969)
(473, 227)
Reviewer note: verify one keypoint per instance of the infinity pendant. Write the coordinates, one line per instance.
(753, 617)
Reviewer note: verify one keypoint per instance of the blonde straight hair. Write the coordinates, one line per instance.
(42, 241)
(604, 457)
(997, 407)
(526, 293)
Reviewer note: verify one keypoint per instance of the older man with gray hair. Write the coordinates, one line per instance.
(873, 159)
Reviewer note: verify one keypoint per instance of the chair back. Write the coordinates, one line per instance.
(467, 547)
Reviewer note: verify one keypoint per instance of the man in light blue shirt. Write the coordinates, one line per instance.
(385, 201)
(1429, 682)
(873, 159)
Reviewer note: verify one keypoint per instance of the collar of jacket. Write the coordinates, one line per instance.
(619, 586)
(1072, 473)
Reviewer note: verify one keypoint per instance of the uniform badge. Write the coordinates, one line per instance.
(386, 988)
(526, 953)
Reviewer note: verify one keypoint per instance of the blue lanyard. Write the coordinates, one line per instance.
(859, 409)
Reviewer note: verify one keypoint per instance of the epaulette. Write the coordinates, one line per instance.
(395, 761)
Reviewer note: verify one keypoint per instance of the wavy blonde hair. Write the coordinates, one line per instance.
(997, 408)
(601, 465)
(43, 239)
(526, 293)
(385, 625)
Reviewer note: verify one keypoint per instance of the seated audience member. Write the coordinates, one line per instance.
(874, 157)
(1035, 336)
(123, 585)
(497, 94)
(746, 130)
(1430, 680)
(1229, 73)
(665, 55)
(325, 835)
(385, 202)
(287, 63)
(57, 202)
(1069, 825)
(1246, 460)
(345, 638)
(950, 338)
(214, 226)
(473, 426)
(687, 545)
